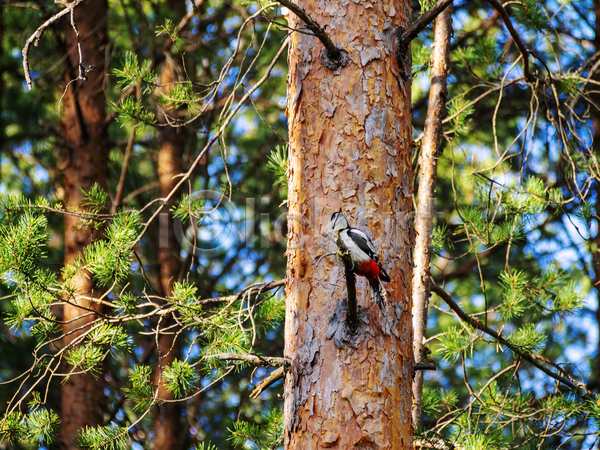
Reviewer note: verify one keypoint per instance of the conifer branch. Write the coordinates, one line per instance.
(532, 358)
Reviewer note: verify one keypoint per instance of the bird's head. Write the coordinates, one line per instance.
(339, 221)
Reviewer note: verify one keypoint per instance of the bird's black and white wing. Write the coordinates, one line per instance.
(363, 242)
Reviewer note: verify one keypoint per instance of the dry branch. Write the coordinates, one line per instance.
(35, 37)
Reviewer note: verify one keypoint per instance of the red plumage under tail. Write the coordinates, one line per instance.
(378, 292)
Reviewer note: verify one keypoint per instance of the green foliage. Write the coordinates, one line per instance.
(264, 436)
(95, 198)
(454, 342)
(483, 60)
(180, 378)
(110, 437)
(110, 337)
(440, 237)
(571, 85)
(42, 426)
(177, 96)
(438, 400)
(269, 313)
(515, 301)
(278, 164)
(528, 338)
(22, 243)
(12, 427)
(187, 207)
(110, 260)
(206, 446)
(531, 13)
(133, 73)
(421, 56)
(426, 5)
(184, 299)
(132, 112)
(140, 394)
(170, 29)
(86, 358)
(39, 426)
(460, 110)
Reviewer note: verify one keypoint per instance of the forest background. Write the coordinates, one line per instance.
(144, 183)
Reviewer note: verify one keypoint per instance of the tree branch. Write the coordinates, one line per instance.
(275, 376)
(266, 361)
(249, 291)
(336, 55)
(520, 45)
(419, 25)
(35, 38)
(530, 357)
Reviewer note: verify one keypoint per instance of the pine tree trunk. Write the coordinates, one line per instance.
(167, 419)
(350, 147)
(82, 396)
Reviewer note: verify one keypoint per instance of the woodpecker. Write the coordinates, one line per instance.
(362, 252)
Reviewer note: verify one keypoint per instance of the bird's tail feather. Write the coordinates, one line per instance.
(379, 293)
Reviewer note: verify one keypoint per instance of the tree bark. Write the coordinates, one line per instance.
(82, 396)
(350, 147)
(426, 197)
(167, 418)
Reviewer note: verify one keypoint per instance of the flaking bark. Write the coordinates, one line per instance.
(426, 195)
(350, 143)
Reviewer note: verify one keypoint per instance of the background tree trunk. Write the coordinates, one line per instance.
(166, 420)
(350, 147)
(82, 396)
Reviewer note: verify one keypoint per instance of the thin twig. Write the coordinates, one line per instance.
(518, 41)
(35, 37)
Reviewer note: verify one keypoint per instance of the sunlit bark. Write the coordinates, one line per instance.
(350, 147)
(426, 197)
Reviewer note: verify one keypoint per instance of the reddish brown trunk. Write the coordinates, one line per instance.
(82, 396)
(166, 421)
(350, 147)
